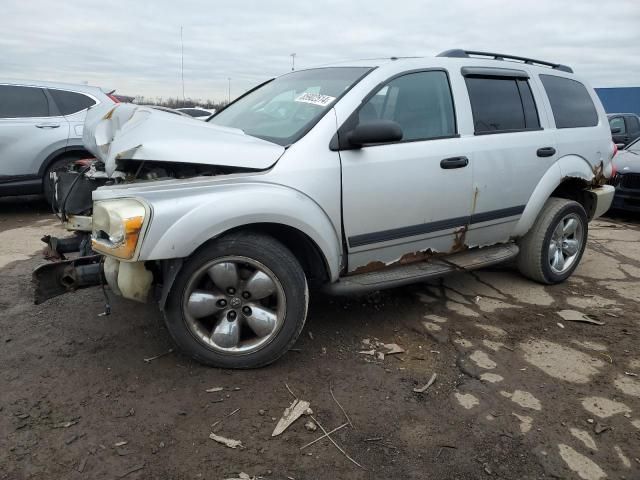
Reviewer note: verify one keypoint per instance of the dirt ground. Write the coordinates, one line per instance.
(520, 393)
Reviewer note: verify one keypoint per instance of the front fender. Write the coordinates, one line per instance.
(569, 166)
(181, 223)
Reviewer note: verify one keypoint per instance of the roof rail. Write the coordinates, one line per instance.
(459, 53)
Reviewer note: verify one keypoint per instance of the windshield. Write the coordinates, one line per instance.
(283, 110)
(634, 146)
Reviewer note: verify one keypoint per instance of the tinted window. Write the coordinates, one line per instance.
(420, 102)
(501, 104)
(71, 102)
(570, 102)
(17, 102)
(618, 122)
(634, 124)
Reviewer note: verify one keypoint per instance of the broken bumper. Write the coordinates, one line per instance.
(601, 199)
(54, 279)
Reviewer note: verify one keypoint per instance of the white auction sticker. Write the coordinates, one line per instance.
(315, 99)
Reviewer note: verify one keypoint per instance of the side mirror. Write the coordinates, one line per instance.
(615, 130)
(620, 146)
(375, 131)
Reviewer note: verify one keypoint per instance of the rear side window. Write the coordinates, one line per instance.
(420, 102)
(501, 104)
(71, 102)
(570, 102)
(22, 102)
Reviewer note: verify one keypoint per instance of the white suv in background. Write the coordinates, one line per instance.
(41, 129)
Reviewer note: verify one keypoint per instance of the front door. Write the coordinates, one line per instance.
(405, 199)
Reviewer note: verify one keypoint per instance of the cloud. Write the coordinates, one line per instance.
(135, 46)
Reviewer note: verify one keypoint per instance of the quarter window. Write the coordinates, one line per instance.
(71, 102)
(501, 104)
(570, 102)
(21, 102)
(421, 103)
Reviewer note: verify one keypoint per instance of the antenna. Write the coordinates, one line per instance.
(182, 63)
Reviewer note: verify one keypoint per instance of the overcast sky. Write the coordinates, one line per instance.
(134, 46)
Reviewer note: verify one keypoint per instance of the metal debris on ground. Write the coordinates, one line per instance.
(150, 359)
(290, 415)
(560, 325)
(227, 442)
(120, 444)
(367, 352)
(631, 374)
(310, 426)
(575, 316)
(428, 384)
(214, 389)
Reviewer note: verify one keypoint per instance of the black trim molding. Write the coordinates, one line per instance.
(423, 228)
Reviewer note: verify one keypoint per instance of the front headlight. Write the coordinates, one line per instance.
(117, 225)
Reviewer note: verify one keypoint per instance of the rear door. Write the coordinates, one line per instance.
(73, 105)
(411, 196)
(30, 130)
(511, 150)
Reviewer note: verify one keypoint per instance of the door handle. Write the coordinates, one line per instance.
(546, 152)
(47, 125)
(454, 162)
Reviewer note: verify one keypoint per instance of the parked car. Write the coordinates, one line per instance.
(625, 128)
(367, 176)
(41, 129)
(626, 178)
(197, 112)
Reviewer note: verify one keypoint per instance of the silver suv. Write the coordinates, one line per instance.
(348, 178)
(41, 129)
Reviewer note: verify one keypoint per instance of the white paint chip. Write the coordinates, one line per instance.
(432, 327)
(586, 468)
(603, 407)
(584, 437)
(491, 377)
(467, 400)
(482, 360)
(524, 399)
(561, 362)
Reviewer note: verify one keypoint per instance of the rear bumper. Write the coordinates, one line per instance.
(601, 199)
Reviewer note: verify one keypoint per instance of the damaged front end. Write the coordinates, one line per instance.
(131, 144)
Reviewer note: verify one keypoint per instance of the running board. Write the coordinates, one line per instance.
(419, 272)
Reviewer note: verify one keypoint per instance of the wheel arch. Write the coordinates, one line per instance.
(76, 150)
(569, 177)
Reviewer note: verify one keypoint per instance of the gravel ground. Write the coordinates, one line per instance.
(520, 393)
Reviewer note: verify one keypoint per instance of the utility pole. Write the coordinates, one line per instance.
(182, 63)
(293, 61)
(229, 94)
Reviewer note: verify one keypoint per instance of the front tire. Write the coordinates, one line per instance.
(551, 251)
(239, 302)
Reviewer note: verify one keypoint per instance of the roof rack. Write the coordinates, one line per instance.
(459, 53)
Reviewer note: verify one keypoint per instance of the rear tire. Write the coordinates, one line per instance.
(551, 251)
(219, 315)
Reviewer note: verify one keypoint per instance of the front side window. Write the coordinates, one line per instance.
(421, 103)
(501, 104)
(283, 110)
(634, 124)
(570, 102)
(618, 122)
(71, 102)
(22, 102)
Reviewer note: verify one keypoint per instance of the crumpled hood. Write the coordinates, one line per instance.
(134, 132)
